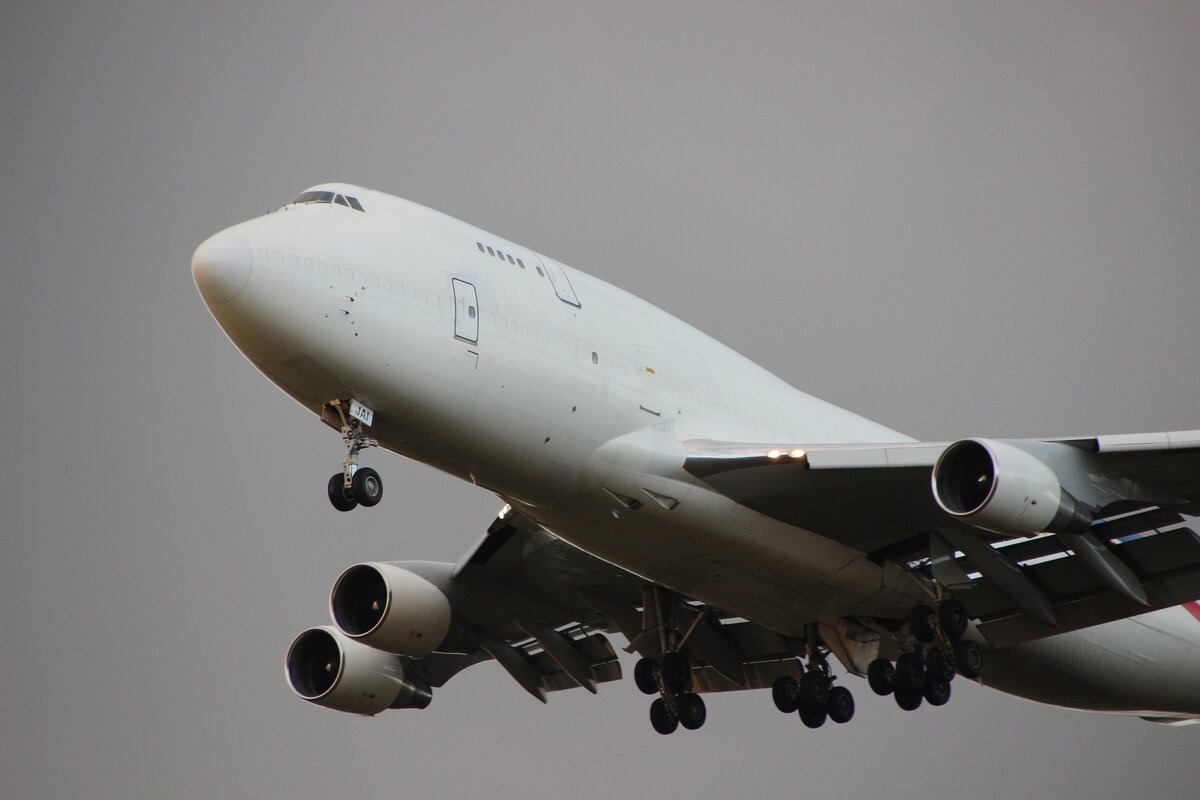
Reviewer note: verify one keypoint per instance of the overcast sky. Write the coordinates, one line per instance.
(957, 219)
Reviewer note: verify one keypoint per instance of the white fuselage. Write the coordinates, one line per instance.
(568, 397)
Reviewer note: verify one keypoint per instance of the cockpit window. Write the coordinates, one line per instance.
(328, 197)
(315, 197)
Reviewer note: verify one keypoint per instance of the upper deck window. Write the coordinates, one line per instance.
(328, 197)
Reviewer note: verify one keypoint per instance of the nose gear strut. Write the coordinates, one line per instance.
(353, 486)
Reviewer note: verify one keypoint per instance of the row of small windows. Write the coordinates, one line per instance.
(329, 197)
(496, 253)
(516, 262)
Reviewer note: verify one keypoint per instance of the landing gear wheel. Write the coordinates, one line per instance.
(880, 674)
(970, 659)
(908, 700)
(813, 717)
(677, 673)
(643, 675)
(342, 499)
(841, 704)
(814, 690)
(953, 617)
(691, 711)
(937, 666)
(936, 691)
(783, 692)
(921, 624)
(661, 718)
(367, 487)
(910, 673)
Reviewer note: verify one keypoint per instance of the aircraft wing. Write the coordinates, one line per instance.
(535, 593)
(1136, 556)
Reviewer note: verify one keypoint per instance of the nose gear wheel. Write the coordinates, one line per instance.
(353, 486)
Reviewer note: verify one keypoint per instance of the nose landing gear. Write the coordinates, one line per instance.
(354, 485)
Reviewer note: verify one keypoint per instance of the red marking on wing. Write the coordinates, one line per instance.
(1193, 608)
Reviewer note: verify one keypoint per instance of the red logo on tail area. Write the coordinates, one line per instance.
(1193, 608)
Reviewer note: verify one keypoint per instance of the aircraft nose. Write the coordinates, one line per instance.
(221, 267)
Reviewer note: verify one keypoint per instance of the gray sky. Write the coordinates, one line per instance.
(958, 219)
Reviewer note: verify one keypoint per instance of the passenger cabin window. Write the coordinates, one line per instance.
(480, 246)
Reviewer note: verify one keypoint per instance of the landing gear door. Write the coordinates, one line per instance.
(560, 281)
(466, 311)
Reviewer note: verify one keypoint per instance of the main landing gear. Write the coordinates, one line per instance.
(924, 673)
(814, 698)
(672, 681)
(354, 485)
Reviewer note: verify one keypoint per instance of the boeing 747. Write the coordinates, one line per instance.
(736, 532)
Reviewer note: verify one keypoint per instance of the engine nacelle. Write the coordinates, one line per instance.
(328, 669)
(999, 487)
(393, 609)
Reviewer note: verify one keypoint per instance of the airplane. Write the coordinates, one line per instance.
(738, 533)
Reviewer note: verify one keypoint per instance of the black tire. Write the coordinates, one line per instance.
(814, 690)
(969, 657)
(953, 618)
(367, 487)
(644, 677)
(813, 717)
(938, 666)
(662, 719)
(840, 705)
(341, 499)
(936, 691)
(677, 673)
(908, 699)
(921, 623)
(784, 692)
(910, 673)
(880, 675)
(692, 712)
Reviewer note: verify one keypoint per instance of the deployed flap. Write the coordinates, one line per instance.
(1158, 555)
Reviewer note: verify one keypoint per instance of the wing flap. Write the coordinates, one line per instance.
(1165, 562)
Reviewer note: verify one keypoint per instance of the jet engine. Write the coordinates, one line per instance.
(326, 668)
(393, 609)
(999, 487)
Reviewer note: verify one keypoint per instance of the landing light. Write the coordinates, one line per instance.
(797, 453)
(773, 454)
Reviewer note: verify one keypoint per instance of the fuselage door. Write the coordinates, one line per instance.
(466, 311)
(560, 281)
